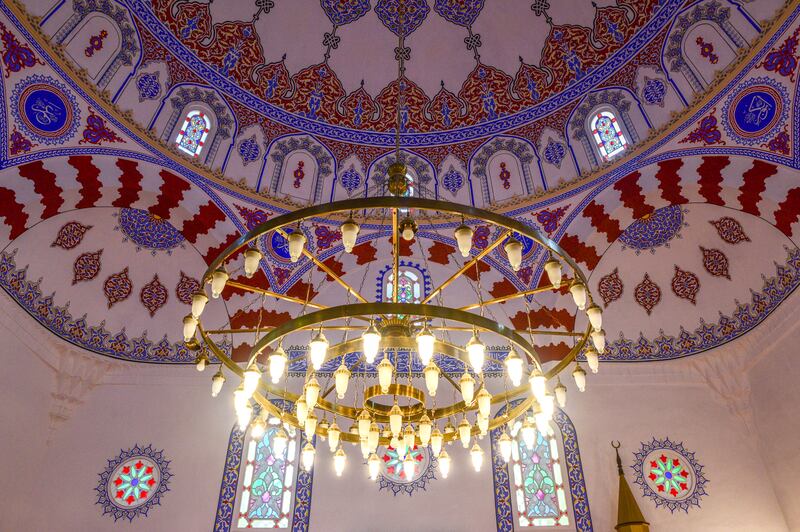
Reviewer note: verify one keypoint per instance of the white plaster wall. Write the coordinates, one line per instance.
(172, 409)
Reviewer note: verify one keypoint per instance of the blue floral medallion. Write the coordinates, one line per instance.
(148, 231)
(654, 230)
(669, 475)
(393, 476)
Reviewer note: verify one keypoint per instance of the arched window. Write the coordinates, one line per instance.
(607, 134)
(538, 481)
(261, 488)
(409, 287)
(193, 133)
(265, 491)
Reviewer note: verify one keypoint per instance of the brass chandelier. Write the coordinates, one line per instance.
(389, 407)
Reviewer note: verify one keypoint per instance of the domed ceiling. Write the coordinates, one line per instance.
(685, 227)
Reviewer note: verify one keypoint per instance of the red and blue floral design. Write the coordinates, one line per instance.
(669, 474)
(133, 482)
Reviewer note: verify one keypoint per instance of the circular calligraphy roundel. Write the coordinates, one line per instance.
(45, 109)
(757, 111)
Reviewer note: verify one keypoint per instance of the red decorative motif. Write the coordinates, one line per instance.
(715, 262)
(16, 56)
(95, 43)
(610, 287)
(186, 287)
(96, 131)
(86, 266)
(480, 238)
(153, 295)
(647, 294)
(730, 230)
(325, 237)
(707, 50)
(252, 217)
(281, 275)
(505, 176)
(70, 235)
(550, 218)
(685, 285)
(18, 143)
(117, 287)
(783, 60)
(706, 132)
(780, 143)
(299, 174)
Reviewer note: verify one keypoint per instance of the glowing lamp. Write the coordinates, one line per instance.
(333, 436)
(318, 350)
(307, 456)
(483, 424)
(218, 280)
(301, 410)
(277, 364)
(436, 441)
(548, 404)
(189, 327)
(542, 423)
(395, 419)
(374, 466)
(514, 367)
(528, 433)
(374, 436)
(476, 352)
(463, 236)
(599, 340)
(538, 384)
(279, 442)
(385, 370)
(364, 421)
(467, 385)
(216, 382)
(371, 341)
(578, 291)
(425, 426)
(595, 316)
(504, 444)
(553, 269)
(312, 392)
(561, 394)
(243, 415)
(251, 259)
(297, 243)
(251, 377)
(408, 467)
(484, 402)
(258, 428)
(513, 249)
(341, 378)
(201, 362)
(431, 373)
(350, 231)
(199, 300)
(310, 425)
(464, 432)
(425, 345)
(409, 436)
(592, 359)
(476, 453)
(580, 377)
(444, 463)
(339, 460)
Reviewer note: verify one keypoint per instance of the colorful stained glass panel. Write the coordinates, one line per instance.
(608, 135)
(193, 134)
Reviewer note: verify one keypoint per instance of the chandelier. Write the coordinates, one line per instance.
(390, 403)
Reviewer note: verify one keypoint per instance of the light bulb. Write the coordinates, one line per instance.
(199, 300)
(561, 394)
(408, 228)
(553, 269)
(307, 456)
(312, 392)
(504, 444)
(401, 450)
(595, 316)
(339, 460)
(297, 242)
(371, 340)
(364, 421)
(251, 259)
(409, 436)
(467, 384)
(301, 410)
(250, 380)
(310, 425)
(201, 362)
(514, 367)
(333, 436)
(513, 249)
(425, 426)
(444, 463)
(528, 433)
(216, 382)
(599, 340)
(432, 372)
(374, 466)
(449, 428)
(538, 383)
(476, 453)
(243, 416)
(578, 291)
(483, 424)
(408, 467)
(394, 442)
(425, 345)
(277, 364)
(580, 377)
(395, 419)
(322, 428)
(341, 378)
(464, 432)
(385, 370)
(258, 429)
(476, 352)
(218, 280)
(463, 236)
(189, 327)
(548, 404)
(279, 442)
(484, 402)
(436, 441)
(318, 350)
(365, 450)
(350, 231)
(374, 436)
(592, 359)
(239, 397)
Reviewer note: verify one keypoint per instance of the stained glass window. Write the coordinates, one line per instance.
(193, 134)
(409, 287)
(538, 482)
(607, 134)
(267, 485)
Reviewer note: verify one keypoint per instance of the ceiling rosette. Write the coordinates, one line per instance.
(402, 17)
(462, 13)
(342, 12)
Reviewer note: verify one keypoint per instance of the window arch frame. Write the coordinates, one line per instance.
(619, 128)
(227, 506)
(581, 519)
(182, 132)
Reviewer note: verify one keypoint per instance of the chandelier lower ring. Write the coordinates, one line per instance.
(377, 409)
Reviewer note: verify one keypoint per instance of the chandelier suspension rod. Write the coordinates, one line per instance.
(503, 299)
(283, 297)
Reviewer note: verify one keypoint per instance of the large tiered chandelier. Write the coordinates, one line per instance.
(394, 404)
